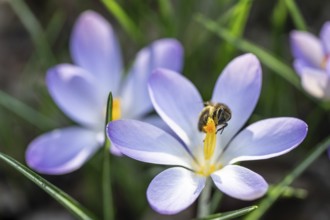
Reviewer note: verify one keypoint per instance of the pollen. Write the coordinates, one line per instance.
(210, 126)
(210, 139)
(208, 169)
(116, 110)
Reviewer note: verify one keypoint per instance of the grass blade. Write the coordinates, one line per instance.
(231, 214)
(108, 210)
(265, 57)
(236, 26)
(296, 15)
(27, 113)
(280, 188)
(125, 21)
(68, 202)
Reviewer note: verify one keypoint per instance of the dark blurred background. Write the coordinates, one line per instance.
(24, 60)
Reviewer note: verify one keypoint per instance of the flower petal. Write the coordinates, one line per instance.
(158, 122)
(316, 82)
(300, 65)
(325, 37)
(75, 91)
(147, 143)
(265, 139)
(94, 47)
(177, 102)
(239, 88)
(62, 151)
(164, 53)
(174, 189)
(115, 151)
(307, 47)
(239, 182)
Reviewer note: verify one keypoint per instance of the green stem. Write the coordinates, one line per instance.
(296, 15)
(203, 208)
(216, 199)
(108, 210)
(68, 202)
(278, 190)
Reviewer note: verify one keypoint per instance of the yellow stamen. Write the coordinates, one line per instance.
(207, 171)
(210, 139)
(116, 110)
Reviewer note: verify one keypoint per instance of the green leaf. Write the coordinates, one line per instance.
(266, 57)
(281, 187)
(231, 214)
(216, 199)
(166, 15)
(298, 193)
(123, 18)
(24, 111)
(295, 14)
(238, 19)
(108, 210)
(280, 15)
(68, 202)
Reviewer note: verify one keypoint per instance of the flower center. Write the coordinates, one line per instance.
(210, 140)
(324, 61)
(116, 110)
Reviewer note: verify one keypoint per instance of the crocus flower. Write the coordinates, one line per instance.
(199, 155)
(312, 60)
(81, 92)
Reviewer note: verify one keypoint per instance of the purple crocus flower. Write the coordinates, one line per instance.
(199, 155)
(81, 92)
(312, 60)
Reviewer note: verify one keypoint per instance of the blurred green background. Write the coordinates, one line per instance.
(34, 36)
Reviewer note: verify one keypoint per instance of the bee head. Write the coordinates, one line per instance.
(222, 114)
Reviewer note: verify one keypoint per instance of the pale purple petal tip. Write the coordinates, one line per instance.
(265, 139)
(238, 87)
(306, 47)
(316, 82)
(163, 53)
(76, 92)
(147, 143)
(240, 183)
(62, 151)
(168, 54)
(325, 37)
(174, 190)
(94, 46)
(115, 151)
(177, 102)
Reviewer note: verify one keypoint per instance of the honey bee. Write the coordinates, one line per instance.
(219, 112)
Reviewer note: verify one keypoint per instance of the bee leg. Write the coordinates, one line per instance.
(222, 128)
